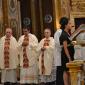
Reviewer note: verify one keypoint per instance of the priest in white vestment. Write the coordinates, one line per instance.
(57, 58)
(46, 66)
(28, 58)
(8, 58)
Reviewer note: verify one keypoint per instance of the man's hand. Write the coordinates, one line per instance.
(43, 49)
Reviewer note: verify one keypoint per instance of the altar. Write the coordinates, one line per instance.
(77, 67)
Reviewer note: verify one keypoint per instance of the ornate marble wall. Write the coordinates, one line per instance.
(72, 9)
(62, 8)
(77, 9)
(78, 5)
(65, 8)
(13, 17)
(11, 13)
(10, 16)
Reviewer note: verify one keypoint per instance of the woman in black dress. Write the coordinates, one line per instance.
(67, 52)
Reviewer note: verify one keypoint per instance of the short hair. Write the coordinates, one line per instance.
(28, 28)
(63, 21)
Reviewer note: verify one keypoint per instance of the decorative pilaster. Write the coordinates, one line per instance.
(57, 12)
(76, 71)
(65, 8)
(5, 15)
(11, 16)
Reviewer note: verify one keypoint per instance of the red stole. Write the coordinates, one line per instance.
(46, 43)
(25, 59)
(6, 52)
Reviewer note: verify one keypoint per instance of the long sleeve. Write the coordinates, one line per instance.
(34, 42)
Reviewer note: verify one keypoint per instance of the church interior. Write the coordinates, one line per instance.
(41, 14)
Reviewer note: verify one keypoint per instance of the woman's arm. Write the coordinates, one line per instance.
(66, 50)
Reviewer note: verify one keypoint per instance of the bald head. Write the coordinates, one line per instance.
(8, 32)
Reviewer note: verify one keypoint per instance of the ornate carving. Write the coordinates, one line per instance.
(13, 17)
(78, 5)
(77, 9)
(65, 7)
(12, 4)
(14, 26)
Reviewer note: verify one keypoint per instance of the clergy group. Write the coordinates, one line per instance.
(26, 58)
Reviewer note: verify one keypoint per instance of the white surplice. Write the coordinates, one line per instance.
(30, 74)
(48, 56)
(9, 74)
(57, 51)
(50, 70)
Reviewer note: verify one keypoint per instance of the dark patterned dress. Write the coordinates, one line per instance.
(64, 59)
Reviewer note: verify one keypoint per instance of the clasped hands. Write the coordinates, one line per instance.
(25, 43)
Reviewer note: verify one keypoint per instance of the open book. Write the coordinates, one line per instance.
(79, 30)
